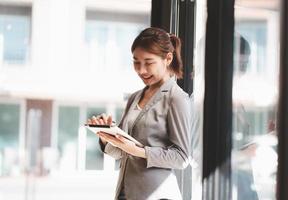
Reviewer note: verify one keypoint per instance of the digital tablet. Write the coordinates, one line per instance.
(112, 130)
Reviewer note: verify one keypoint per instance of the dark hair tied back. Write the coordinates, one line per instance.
(159, 42)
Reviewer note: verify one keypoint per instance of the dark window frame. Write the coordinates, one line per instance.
(178, 17)
(282, 128)
(217, 122)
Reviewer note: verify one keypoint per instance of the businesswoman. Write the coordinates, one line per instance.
(158, 117)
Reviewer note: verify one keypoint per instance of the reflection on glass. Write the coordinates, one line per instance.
(254, 155)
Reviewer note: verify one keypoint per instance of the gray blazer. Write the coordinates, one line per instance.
(163, 127)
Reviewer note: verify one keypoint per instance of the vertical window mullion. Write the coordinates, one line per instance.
(217, 127)
(186, 31)
(282, 176)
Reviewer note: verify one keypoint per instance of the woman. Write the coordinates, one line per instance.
(158, 116)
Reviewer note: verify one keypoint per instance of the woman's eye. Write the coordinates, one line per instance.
(149, 63)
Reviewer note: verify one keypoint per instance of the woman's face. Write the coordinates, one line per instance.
(151, 68)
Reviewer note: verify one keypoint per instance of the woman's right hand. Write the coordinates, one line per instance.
(102, 119)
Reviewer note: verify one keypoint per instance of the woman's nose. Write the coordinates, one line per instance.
(142, 69)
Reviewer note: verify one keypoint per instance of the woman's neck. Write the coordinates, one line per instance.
(150, 91)
(157, 85)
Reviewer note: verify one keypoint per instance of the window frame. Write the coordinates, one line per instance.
(282, 127)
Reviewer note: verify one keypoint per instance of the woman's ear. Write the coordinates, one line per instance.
(169, 58)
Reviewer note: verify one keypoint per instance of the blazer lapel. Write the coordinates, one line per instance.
(132, 106)
(156, 97)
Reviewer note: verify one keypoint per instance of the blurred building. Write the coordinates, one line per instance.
(60, 63)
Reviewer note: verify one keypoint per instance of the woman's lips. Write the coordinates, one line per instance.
(146, 78)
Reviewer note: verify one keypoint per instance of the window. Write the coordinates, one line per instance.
(68, 139)
(9, 138)
(15, 27)
(255, 82)
(255, 32)
(68, 123)
(110, 35)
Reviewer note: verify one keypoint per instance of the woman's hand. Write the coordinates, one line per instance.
(124, 144)
(102, 119)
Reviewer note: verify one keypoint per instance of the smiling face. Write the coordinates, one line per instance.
(151, 68)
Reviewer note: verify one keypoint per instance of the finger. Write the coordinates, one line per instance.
(99, 121)
(110, 138)
(89, 121)
(119, 137)
(105, 135)
(104, 118)
(109, 120)
(94, 120)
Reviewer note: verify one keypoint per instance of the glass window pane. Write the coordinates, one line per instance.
(15, 26)
(68, 124)
(9, 125)
(255, 32)
(254, 155)
(9, 139)
(111, 37)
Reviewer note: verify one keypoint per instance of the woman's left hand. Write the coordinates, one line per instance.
(124, 144)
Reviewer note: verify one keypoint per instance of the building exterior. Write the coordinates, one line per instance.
(62, 62)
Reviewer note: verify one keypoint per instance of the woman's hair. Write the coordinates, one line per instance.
(159, 42)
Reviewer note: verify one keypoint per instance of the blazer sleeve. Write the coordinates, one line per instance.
(111, 150)
(178, 122)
